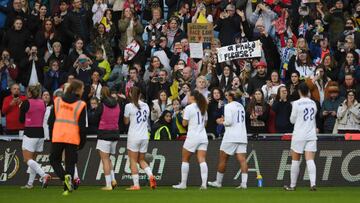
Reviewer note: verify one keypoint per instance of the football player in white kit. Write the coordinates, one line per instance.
(195, 117)
(304, 137)
(137, 114)
(234, 140)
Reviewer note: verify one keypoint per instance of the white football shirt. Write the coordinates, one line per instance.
(234, 122)
(303, 115)
(196, 123)
(138, 129)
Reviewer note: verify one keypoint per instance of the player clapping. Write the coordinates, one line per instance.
(195, 117)
(234, 141)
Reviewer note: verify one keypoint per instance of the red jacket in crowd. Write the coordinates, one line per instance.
(12, 113)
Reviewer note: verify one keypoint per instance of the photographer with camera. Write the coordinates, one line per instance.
(11, 110)
(157, 84)
(32, 68)
(8, 72)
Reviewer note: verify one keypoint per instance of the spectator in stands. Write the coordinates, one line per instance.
(157, 84)
(155, 28)
(215, 110)
(302, 63)
(94, 115)
(54, 77)
(336, 20)
(161, 130)
(154, 69)
(330, 107)
(318, 84)
(349, 66)
(82, 69)
(13, 13)
(282, 108)
(32, 68)
(38, 19)
(159, 105)
(134, 80)
(102, 40)
(118, 74)
(17, 39)
(348, 114)
(77, 23)
(59, 55)
(11, 110)
(293, 85)
(98, 9)
(96, 86)
(263, 17)
(75, 53)
(8, 73)
(173, 32)
(257, 113)
(102, 65)
(178, 129)
(270, 89)
(329, 64)
(130, 28)
(184, 91)
(350, 84)
(230, 23)
(183, 14)
(226, 78)
(44, 39)
(259, 79)
(59, 17)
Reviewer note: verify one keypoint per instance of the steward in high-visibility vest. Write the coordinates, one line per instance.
(67, 125)
(162, 128)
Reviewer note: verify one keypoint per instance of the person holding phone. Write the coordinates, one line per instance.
(11, 110)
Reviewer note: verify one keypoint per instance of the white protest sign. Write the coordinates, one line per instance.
(196, 50)
(237, 51)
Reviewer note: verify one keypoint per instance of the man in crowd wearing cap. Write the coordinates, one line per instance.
(329, 108)
(259, 79)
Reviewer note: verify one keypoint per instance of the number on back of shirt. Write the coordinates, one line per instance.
(200, 118)
(141, 116)
(309, 113)
(240, 116)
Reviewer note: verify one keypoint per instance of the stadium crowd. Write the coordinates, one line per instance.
(125, 43)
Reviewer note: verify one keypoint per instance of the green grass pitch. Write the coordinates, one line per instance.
(87, 194)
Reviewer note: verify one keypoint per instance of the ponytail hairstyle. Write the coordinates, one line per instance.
(135, 96)
(234, 94)
(34, 91)
(200, 101)
(105, 92)
(74, 87)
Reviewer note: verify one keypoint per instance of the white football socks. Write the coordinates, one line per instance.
(184, 172)
(204, 173)
(135, 179)
(244, 178)
(108, 180)
(219, 177)
(312, 171)
(295, 168)
(112, 173)
(32, 175)
(148, 171)
(76, 173)
(36, 167)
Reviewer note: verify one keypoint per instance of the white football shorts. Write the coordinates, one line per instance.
(304, 145)
(32, 144)
(106, 146)
(232, 148)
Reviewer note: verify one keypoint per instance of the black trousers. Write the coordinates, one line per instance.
(70, 159)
